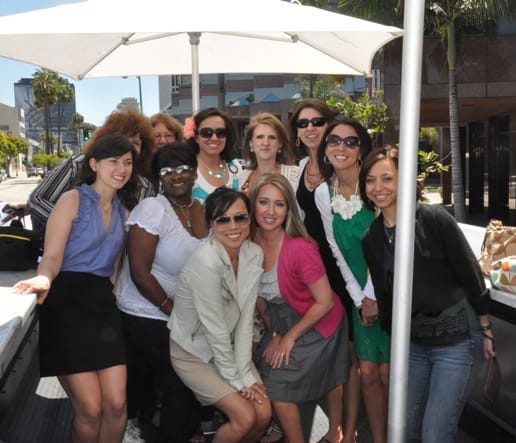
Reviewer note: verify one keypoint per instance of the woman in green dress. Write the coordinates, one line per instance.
(344, 144)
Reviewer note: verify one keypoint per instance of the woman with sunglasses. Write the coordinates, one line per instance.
(450, 324)
(345, 143)
(307, 127)
(211, 325)
(214, 141)
(303, 354)
(164, 232)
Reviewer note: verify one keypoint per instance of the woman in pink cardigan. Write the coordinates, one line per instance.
(303, 353)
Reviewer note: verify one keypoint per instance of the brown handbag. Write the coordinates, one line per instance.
(499, 242)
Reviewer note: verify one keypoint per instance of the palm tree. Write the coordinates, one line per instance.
(64, 95)
(446, 18)
(46, 89)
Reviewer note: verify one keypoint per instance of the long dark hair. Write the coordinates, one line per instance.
(366, 144)
(229, 151)
(298, 148)
(374, 156)
(107, 146)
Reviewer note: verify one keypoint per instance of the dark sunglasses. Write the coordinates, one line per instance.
(237, 218)
(317, 122)
(208, 132)
(333, 140)
(177, 170)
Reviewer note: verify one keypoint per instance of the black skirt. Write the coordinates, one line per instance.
(80, 328)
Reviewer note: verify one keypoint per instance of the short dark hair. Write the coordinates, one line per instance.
(220, 200)
(372, 158)
(171, 153)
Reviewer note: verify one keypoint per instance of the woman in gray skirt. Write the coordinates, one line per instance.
(303, 353)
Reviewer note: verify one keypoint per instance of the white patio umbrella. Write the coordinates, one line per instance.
(108, 38)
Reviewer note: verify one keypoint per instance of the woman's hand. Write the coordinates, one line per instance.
(281, 355)
(39, 285)
(270, 350)
(254, 392)
(489, 347)
(368, 311)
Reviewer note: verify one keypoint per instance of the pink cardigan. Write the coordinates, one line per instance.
(300, 264)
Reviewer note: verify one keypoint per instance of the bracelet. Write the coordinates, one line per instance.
(164, 302)
(486, 327)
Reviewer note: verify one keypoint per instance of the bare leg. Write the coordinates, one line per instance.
(334, 401)
(247, 420)
(352, 393)
(290, 420)
(114, 411)
(375, 398)
(84, 392)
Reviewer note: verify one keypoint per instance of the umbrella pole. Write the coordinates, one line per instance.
(195, 37)
(405, 216)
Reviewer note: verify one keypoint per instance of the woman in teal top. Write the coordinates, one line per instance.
(345, 219)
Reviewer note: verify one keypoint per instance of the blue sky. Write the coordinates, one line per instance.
(95, 98)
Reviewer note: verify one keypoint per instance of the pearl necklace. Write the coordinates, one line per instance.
(345, 208)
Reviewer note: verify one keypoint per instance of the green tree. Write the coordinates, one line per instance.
(370, 111)
(64, 95)
(76, 125)
(448, 19)
(46, 87)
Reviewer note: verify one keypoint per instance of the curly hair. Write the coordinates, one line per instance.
(284, 154)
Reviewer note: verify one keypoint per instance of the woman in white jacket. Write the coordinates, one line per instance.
(211, 325)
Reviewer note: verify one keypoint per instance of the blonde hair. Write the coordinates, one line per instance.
(293, 224)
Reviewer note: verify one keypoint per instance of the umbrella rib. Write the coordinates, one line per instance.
(123, 41)
(150, 38)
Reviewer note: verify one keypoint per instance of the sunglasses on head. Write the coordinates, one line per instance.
(208, 132)
(333, 140)
(237, 218)
(175, 170)
(316, 121)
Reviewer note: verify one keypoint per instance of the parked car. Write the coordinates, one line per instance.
(3, 175)
(35, 172)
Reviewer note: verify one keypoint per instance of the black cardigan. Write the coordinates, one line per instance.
(445, 268)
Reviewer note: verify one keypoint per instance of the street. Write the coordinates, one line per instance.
(16, 190)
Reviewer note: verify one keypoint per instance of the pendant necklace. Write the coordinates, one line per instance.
(390, 234)
(312, 179)
(184, 209)
(221, 174)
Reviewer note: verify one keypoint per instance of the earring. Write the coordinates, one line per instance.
(325, 159)
(298, 142)
(251, 146)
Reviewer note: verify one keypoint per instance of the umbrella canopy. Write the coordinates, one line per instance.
(111, 38)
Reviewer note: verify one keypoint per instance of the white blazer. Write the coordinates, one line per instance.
(213, 310)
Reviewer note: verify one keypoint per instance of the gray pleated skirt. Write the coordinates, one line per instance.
(316, 364)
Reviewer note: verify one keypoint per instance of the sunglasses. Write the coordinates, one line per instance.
(208, 132)
(177, 170)
(333, 141)
(317, 122)
(237, 218)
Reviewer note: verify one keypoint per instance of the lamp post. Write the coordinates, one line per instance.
(140, 91)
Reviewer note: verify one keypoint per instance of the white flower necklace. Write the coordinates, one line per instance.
(345, 208)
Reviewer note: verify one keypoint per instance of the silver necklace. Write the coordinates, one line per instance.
(221, 175)
(390, 234)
